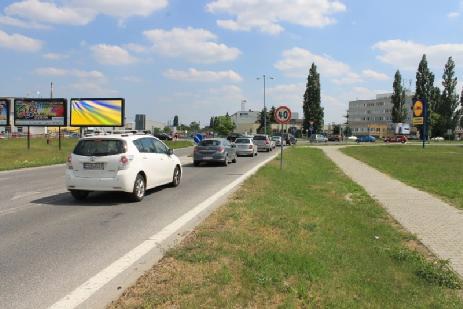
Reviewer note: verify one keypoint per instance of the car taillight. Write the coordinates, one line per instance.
(220, 149)
(123, 163)
(69, 162)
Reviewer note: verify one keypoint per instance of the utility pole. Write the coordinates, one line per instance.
(264, 77)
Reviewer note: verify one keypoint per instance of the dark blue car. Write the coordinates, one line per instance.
(366, 139)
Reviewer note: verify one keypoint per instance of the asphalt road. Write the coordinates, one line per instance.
(51, 244)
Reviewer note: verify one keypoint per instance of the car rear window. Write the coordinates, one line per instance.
(209, 143)
(259, 137)
(99, 147)
(243, 141)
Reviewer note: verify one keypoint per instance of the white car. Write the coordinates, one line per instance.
(128, 162)
(438, 139)
(352, 138)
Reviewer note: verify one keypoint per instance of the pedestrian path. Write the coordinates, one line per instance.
(437, 225)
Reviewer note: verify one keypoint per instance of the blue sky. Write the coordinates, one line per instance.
(200, 58)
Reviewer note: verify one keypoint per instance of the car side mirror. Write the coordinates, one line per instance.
(170, 152)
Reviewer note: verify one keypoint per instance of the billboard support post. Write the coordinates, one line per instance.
(59, 138)
(28, 137)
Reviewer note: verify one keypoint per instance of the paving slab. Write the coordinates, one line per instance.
(438, 225)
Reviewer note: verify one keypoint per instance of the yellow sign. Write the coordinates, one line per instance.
(418, 109)
(418, 121)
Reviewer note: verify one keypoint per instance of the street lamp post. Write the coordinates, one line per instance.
(264, 77)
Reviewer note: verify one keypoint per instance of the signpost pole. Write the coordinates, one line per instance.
(28, 137)
(59, 138)
(281, 147)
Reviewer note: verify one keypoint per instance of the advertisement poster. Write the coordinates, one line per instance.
(40, 112)
(97, 112)
(4, 112)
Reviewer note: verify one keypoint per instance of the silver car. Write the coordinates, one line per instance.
(245, 147)
(277, 140)
(263, 142)
(214, 150)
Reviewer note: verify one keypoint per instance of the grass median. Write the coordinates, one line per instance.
(304, 237)
(435, 169)
(14, 153)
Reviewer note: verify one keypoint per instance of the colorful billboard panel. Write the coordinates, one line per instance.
(4, 112)
(97, 112)
(40, 112)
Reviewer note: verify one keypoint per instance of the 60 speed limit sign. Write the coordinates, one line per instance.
(283, 115)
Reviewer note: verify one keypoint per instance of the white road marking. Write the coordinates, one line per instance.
(90, 287)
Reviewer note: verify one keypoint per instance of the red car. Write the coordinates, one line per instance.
(396, 139)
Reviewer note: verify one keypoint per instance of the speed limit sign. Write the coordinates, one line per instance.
(283, 115)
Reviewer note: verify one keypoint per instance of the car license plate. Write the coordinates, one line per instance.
(94, 166)
(207, 158)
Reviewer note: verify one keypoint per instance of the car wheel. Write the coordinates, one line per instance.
(139, 187)
(196, 163)
(177, 177)
(79, 195)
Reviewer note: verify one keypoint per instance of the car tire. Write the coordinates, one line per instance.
(79, 195)
(177, 177)
(139, 188)
(196, 163)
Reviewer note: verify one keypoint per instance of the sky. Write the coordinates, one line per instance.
(201, 58)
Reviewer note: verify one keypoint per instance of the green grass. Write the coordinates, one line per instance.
(14, 153)
(435, 169)
(304, 237)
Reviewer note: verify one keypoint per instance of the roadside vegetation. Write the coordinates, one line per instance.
(435, 169)
(304, 237)
(14, 153)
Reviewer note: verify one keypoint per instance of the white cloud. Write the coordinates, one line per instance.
(202, 76)
(55, 56)
(122, 8)
(374, 75)
(453, 15)
(195, 45)
(112, 55)
(407, 54)
(15, 22)
(296, 62)
(77, 12)
(267, 15)
(132, 79)
(91, 89)
(57, 72)
(19, 42)
(49, 12)
(136, 48)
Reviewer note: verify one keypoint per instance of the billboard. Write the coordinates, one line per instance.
(40, 112)
(4, 112)
(97, 112)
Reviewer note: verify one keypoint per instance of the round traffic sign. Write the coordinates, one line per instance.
(283, 115)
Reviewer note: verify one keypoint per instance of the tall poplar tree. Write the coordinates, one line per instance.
(448, 106)
(425, 88)
(313, 112)
(398, 113)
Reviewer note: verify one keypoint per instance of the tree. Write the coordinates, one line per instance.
(194, 126)
(337, 129)
(398, 113)
(425, 86)
(313, 111)
(271, 115)
(461, 109)
(447, 109)
(175, 124)
(167, 130)
(223, 125)
(261, 122)
(211, 122)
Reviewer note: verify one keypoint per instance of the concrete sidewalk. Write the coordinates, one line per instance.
(437, 225)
